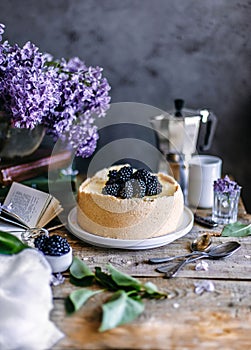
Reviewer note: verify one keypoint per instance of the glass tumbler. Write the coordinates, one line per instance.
(225, 207)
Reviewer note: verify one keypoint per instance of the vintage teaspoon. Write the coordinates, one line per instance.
(200, 244)
(220, 251)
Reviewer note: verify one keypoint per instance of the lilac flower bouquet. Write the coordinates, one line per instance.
(64, 96)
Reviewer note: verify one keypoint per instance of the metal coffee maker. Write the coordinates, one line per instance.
(181, 133)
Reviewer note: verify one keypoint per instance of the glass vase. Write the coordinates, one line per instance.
(18, 142)
(225, 207)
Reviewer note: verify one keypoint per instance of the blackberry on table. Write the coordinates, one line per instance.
(53, 245)
(111, 189)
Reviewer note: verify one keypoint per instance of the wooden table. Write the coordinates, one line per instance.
(213, 320)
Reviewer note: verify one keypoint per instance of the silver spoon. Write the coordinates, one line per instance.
(220, 251)
(202, 243)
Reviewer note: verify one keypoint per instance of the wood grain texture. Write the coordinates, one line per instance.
(185, 320)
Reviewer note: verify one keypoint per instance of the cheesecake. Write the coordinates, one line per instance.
(112, 208)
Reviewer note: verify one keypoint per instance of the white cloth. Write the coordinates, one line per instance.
(26, 302)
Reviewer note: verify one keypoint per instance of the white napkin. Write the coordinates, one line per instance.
(26, 302)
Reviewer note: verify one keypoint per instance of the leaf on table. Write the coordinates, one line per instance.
(120, 309)
(78, 298)
(123, 279)
(81, 274)
(104, 279)
(236, 229)
(152, 291)
(119, 280)
(10, 244)
(124, 306)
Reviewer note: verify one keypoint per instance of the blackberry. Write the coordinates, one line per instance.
(139, 188)
(126, 190)
(111, 189)
(113, 174)
(124, 174)
(112, 177)
(142, 174)
(53, 245)
(40, 242)
(153, 186)
(126, 184)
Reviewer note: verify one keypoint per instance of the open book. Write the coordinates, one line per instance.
(28, 208)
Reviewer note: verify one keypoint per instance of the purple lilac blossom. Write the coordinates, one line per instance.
(226, 186)
(28, 89)
(84, 139)
(84, 97)
(64, 96)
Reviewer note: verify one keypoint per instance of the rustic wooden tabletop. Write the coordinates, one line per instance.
(219, 319)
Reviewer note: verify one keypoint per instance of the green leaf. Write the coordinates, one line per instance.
(150, 287)
(123, 279)
(10, 244)
(152, 291)
(81, 273)
(120, 309)
(104, 279)
(236, 229)
(79, 297)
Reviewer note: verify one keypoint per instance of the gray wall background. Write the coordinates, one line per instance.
(155, 51)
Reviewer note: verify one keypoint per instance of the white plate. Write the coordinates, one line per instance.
(148, 243)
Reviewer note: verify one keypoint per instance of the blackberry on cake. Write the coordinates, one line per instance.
(139, 188)
(124, 174)
(126, 190)
(141, 174)
(111, 189)
(126, 183)
(112, 177)
(153, 186)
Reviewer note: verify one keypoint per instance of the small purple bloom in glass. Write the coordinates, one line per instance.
(226, 199)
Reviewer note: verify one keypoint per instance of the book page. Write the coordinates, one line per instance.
(53, 209)
(26, 202)
(11, 218)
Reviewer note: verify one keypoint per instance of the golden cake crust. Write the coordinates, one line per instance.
(134, 218)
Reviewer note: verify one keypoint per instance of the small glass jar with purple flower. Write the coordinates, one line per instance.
(226, 199)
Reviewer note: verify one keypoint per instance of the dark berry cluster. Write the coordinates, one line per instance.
(52, 245)
(125, 183)
(120, 176)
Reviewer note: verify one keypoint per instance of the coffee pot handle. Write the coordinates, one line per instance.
(207, 128)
